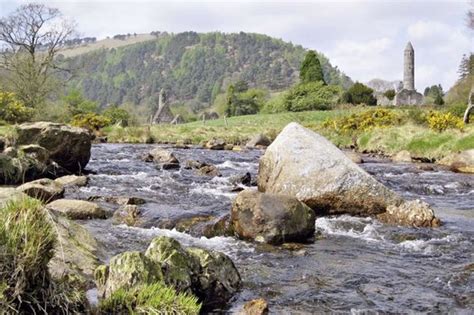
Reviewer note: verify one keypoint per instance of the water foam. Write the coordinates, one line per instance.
(355, 227)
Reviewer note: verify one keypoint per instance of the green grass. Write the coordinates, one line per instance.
(149, 299)
(27, 240)
(411, 136)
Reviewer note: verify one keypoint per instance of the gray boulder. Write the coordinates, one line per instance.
(77, 209)
(69, 147)
(164, 158)
(72, 180)
(44, 189)
(305, 165)
(216, 144)
(410, 213)
(270, 218)
(462, 162)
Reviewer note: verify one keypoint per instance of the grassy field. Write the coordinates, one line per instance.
(418, 139)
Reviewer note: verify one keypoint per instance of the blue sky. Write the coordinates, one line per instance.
(365, 39)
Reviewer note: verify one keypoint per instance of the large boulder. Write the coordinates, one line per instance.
(209, 275)
(77, 209)
(69, 147)
(164, 158)
(305, 165)
(44, 189)
(270, 218)
(76, 252)
(460, 162)
(18, 165)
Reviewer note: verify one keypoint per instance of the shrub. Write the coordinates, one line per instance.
(90, 121)
(364, 121)
(390, 94)
(439, 121)
(13, 110)
(116, 115)
(361, 94)
(458, 109)
(311, 96)
(27, 241)
(149, 299)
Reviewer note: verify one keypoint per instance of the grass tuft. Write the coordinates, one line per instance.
(153, 298)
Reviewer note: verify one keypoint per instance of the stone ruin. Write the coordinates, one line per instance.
(163, 114)
(408, 95)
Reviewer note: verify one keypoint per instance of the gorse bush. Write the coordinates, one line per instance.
(364, 121)
(27, 241)
(90, 121)
(149, 299)
(439, 121)
(12, 110)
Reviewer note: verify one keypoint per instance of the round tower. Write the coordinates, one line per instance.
(409, 68)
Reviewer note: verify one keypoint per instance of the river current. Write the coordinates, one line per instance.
(356, 265)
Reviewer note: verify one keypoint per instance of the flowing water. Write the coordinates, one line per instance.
(356, 265)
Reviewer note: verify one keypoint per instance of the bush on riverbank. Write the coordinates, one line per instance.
(149, 299)
(27, 241)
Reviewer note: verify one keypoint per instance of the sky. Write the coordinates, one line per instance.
(365, 39)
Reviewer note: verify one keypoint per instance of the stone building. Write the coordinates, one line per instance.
(408, 95)
(163, 114)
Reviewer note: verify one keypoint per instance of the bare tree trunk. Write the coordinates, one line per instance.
(225, 121)
(469, 108)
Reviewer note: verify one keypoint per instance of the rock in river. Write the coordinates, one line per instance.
(462, 162)
(44, 189)
(77, 209)
(270, 218)
(164, 158)
(69, 147)
(209, 275)
(72, 180)
(305, 165)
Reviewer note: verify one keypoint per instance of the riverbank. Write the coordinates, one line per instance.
(422, 142)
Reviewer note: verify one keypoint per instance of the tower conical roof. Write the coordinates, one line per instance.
(409, 46)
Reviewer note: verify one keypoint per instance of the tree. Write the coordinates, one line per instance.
(390, 94)
(31, 38)
(311, 70)
(470, 104)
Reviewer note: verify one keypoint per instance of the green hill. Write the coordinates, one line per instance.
(191, 67)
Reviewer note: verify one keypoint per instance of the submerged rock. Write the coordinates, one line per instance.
(410, 213)
(209, 275)
(270, 218)
(118, 200)
(44, 189)
(303, 164)
(72, 180)
(462, 162)
(77, 209)
(202, 168)
(69, 147)
(259, 140)
(402, 157)
(164, 158)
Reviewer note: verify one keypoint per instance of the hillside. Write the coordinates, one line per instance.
(191, 67)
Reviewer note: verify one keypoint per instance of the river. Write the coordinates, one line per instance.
(356, 265)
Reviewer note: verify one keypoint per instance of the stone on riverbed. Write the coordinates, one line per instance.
(69, 147)
(44, 189)
(164, 158)
(209, 275)
(255, 307)
(77, 209)
(270, 218)
(72, 180)
(403, 156)
(410, 213)
(305, 165)
(259, 140)
(462, 162)
(129, 215)
(216, 144)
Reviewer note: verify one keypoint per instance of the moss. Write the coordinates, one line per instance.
(153, 298)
